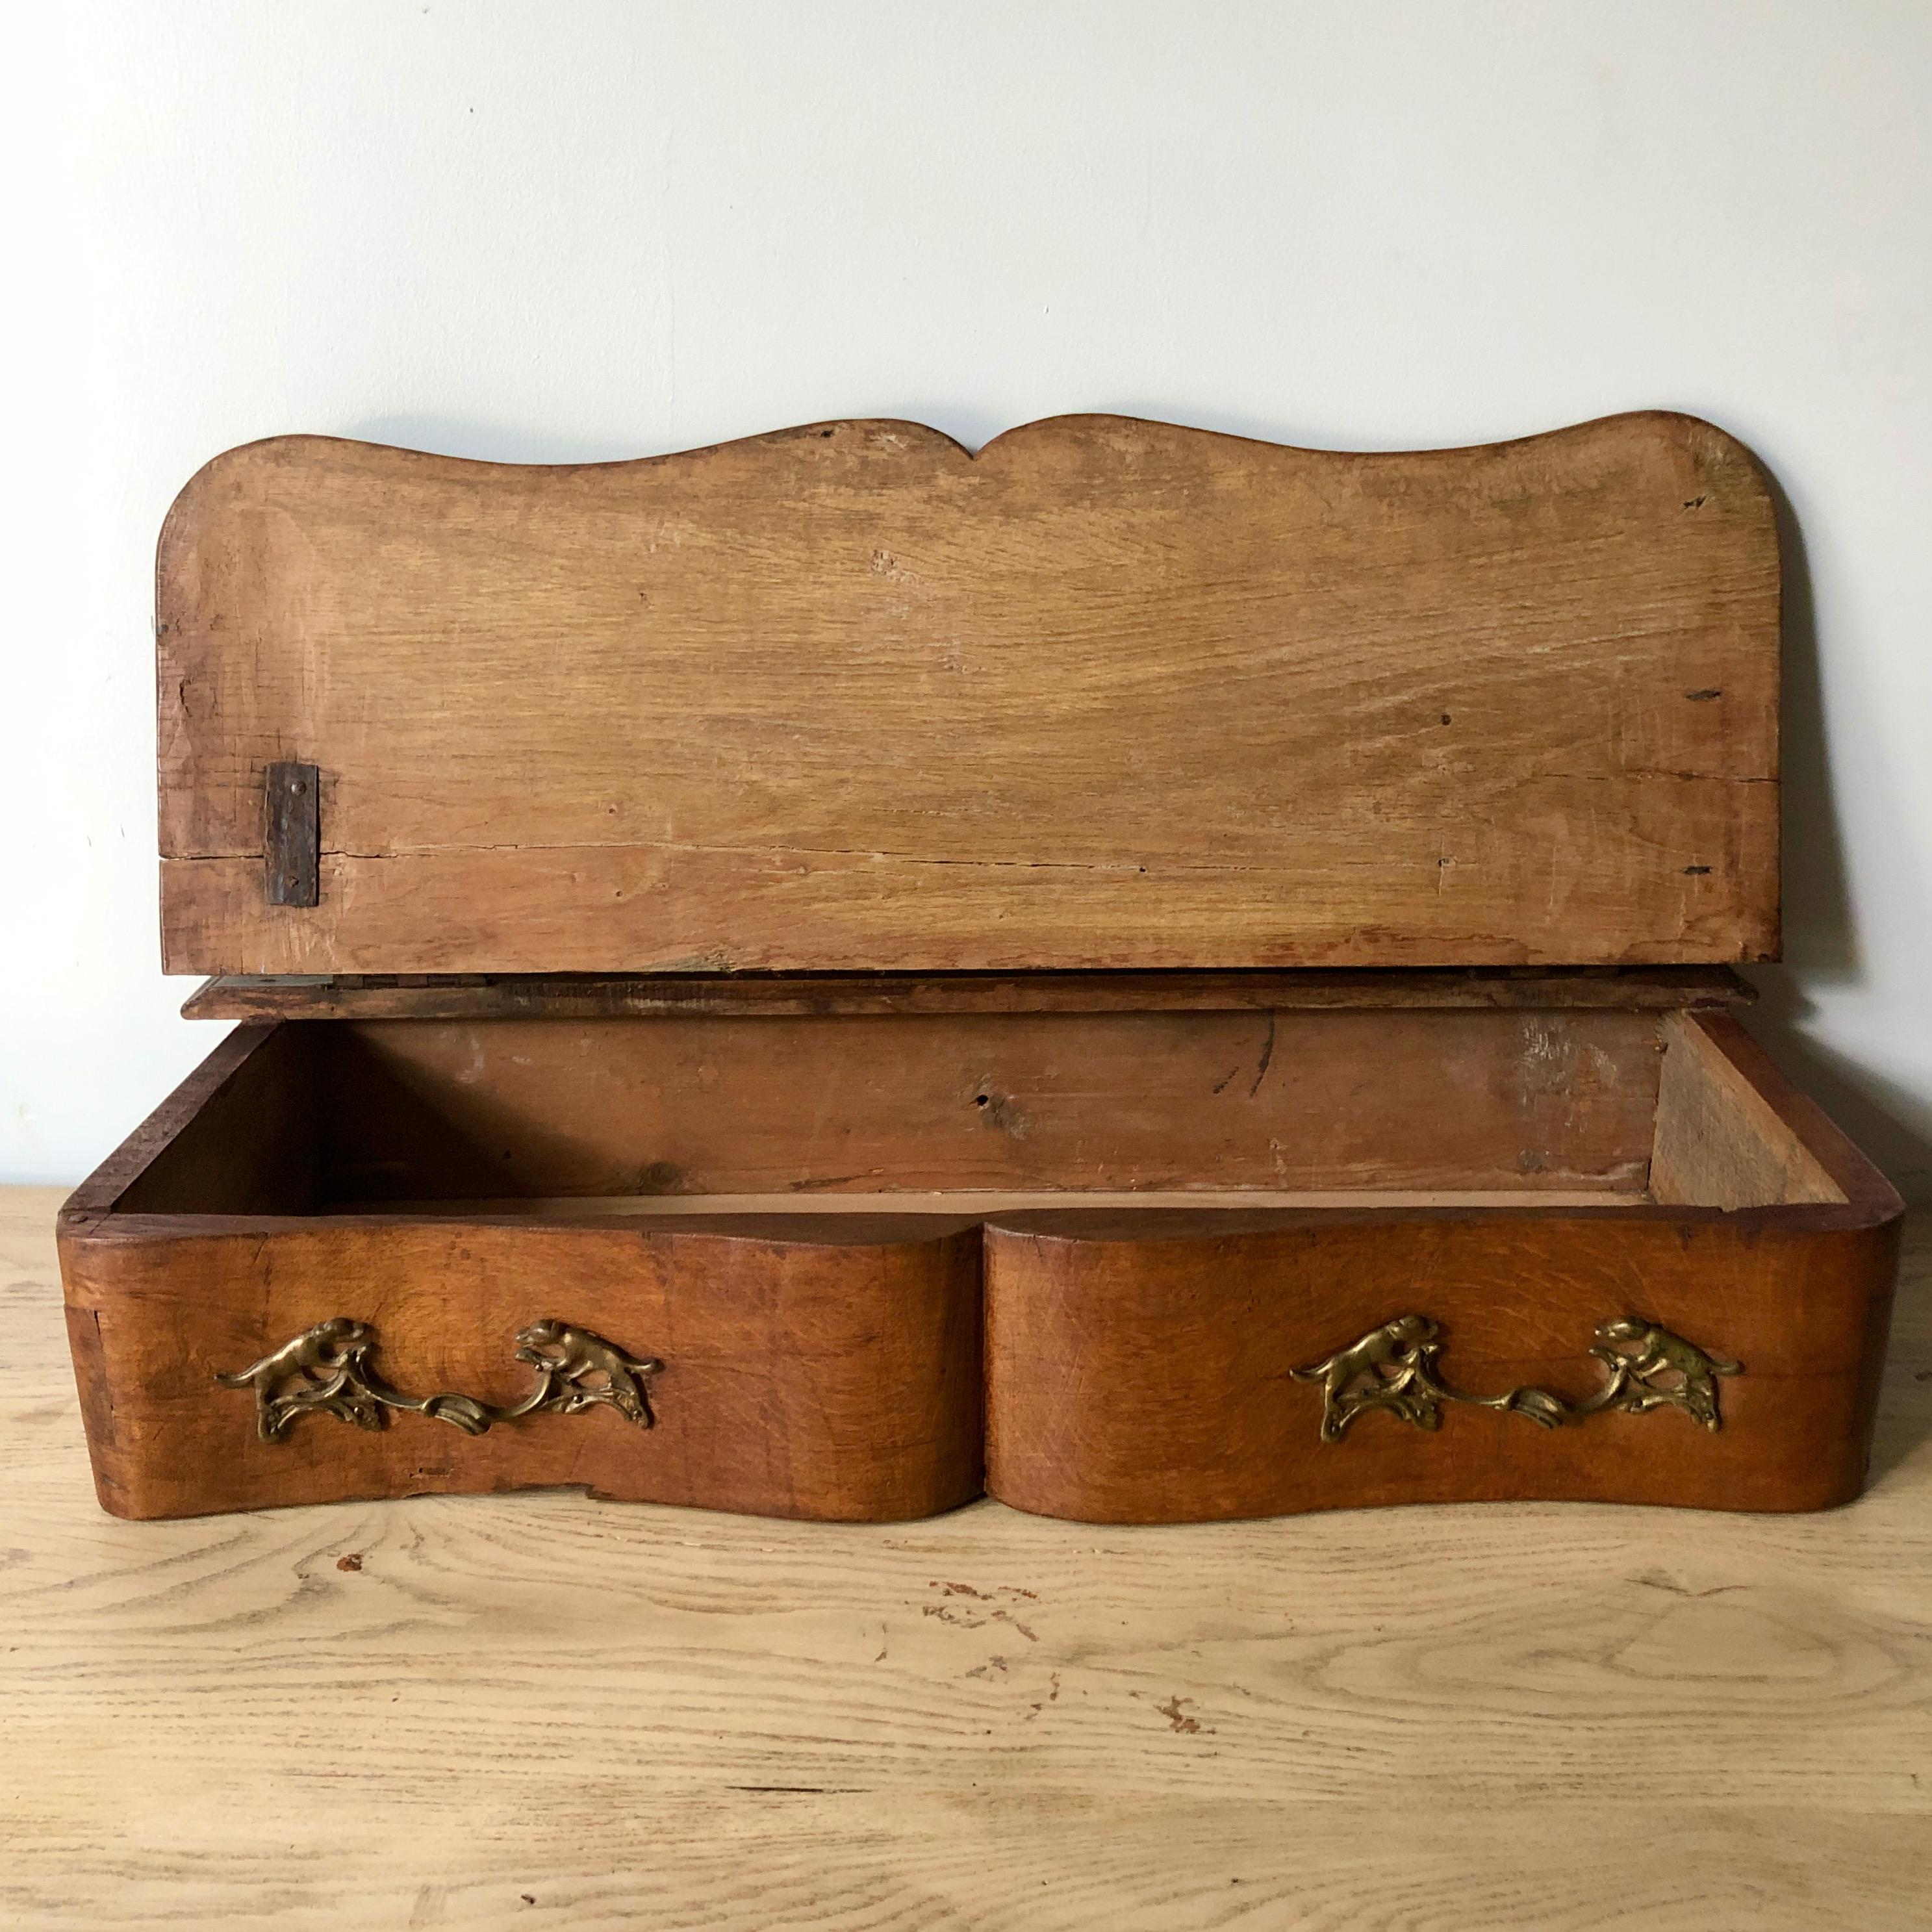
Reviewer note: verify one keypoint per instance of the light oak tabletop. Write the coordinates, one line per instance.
(537, 1710)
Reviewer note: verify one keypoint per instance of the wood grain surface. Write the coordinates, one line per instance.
(1111, 693)
(1719, 1140)
(534, 1710)
(826, 1370)
(703, 1105)
(290, 1119)
(476, 996)
(1134, 1378)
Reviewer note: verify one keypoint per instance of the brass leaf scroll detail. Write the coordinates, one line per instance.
(328, 1370)
(1396, 1367)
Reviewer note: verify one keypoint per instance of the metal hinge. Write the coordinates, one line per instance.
(291, 846)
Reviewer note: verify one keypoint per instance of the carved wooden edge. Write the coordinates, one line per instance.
(907, 433)
(590, 996)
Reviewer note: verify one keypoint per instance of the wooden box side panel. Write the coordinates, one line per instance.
(1721, 1141)
(836, 1380)
(1732, 1130)
(238, 1136)
(1156, 1380)
(865, 1103)
(249, 1142)
(1110, 694)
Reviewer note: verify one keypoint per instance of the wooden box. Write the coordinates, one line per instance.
(1158, 976)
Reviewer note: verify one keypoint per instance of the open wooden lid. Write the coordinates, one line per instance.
(1111, 694)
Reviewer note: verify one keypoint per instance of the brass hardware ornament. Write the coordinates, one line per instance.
(327, 1370)
(1395, 1367)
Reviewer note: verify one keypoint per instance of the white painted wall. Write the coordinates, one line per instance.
(539, 229)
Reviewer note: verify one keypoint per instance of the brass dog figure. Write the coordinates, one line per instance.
(322, 1368)
(327, 1370)
(1641, 1353)
(565, 1356)
(1390, 1367)
(1395, 1367)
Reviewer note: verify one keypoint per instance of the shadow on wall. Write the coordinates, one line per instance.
(1883, 1118)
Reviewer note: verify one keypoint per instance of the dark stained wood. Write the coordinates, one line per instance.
(586, 996)
(1110, 694)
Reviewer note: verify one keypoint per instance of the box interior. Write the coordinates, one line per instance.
(982, 1112)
